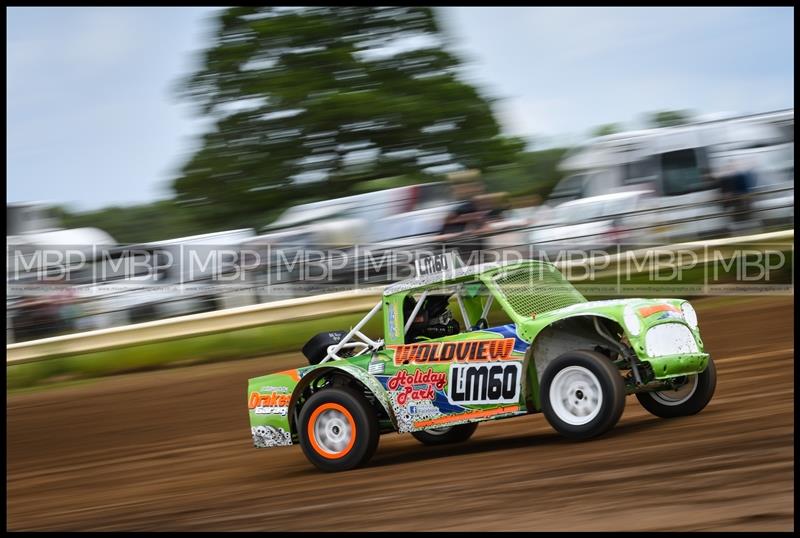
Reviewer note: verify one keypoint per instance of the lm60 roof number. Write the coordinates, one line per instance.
(435, 264)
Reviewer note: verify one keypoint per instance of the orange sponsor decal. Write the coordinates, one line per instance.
(268, 400)
(650, 310)
(465, 351)
(462, 416)
(291, 373)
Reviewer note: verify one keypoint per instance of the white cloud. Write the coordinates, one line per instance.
(561, 71)
(525, 115)
(104, 37)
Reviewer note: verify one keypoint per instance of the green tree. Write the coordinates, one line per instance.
(309, 102)
(532, 172)
(668, 118)
(606, 129)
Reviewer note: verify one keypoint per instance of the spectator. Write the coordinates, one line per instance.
(495, 204)
(468, 217)
(737, 183)
(467, 214)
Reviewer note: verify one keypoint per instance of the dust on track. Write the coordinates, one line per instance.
(171, 450)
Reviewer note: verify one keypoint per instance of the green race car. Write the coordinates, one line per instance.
(436, 374)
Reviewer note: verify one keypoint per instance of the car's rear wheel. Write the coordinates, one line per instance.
(338, 429)
(446, 435)
(583, 394)
(687, 398)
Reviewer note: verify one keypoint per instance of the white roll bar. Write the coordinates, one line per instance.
(333, 350)
(417, 308)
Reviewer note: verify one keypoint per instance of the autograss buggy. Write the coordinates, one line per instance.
(437, 375)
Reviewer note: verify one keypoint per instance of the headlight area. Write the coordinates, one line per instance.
(670, 339)
(689, 314)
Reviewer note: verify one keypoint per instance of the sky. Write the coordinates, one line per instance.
(93, 118)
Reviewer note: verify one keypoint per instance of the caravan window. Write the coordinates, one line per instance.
(569, 187)
(681, 173)
(641, 171)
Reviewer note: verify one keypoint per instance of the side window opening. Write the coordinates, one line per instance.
(569, 188)
(443, 313)
(683, 172)
(434, 319)
(640, 172)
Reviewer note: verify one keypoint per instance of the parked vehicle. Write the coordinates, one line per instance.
(772, 167)
(168, 278)
(596, 221)
(297, 241)
(39, 251)
(358, 215)
(680, 164)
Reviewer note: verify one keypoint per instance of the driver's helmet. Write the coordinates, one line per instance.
(433, 320)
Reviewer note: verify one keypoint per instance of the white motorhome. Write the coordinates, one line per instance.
(351, 219)
(333, 227)
(681, 164)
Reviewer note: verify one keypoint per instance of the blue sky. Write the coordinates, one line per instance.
(92, 118)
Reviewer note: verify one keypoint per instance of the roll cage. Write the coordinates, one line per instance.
(519, 298)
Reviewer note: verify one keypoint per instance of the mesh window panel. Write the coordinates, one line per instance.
(537, 289)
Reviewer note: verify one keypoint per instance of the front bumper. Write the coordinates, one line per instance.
(677, 365)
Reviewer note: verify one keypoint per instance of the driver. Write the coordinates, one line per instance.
(433, 320)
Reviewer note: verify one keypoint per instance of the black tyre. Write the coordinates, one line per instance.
(582, 394)
(446, 435)
(317, 347)
(338, 429)
(688, 399)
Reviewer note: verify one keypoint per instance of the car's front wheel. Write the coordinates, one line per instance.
(446, 435)
(583, 394)
(338, 429)
(687, 398)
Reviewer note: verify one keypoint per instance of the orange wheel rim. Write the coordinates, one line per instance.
(331, 431)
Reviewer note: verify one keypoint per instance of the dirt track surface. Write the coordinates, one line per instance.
(171, 450)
